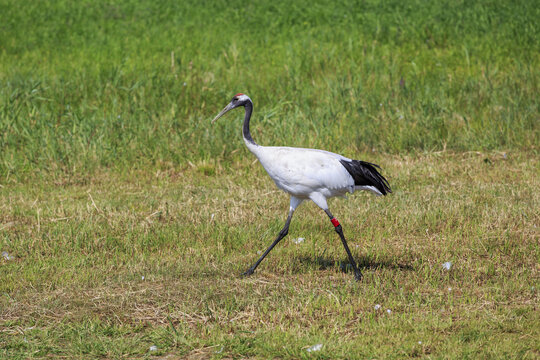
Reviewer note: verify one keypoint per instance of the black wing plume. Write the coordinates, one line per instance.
(366, 174)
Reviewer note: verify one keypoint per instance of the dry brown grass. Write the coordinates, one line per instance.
(75, 287)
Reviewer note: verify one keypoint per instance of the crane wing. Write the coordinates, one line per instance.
(304, 171)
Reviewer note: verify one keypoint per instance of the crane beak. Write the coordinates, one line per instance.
(223, 112)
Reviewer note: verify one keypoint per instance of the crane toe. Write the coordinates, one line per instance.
(249, 272)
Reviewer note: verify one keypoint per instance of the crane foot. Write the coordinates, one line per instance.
(249, 272)
(358, 275)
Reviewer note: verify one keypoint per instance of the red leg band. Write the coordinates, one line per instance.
(335, 222)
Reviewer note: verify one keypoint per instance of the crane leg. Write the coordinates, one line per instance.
(294, 204)
(281, 235)
(339, 230)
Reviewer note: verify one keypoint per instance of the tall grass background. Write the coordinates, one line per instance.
(88, 85)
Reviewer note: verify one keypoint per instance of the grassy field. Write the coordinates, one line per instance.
(126, 218)
(76, 287)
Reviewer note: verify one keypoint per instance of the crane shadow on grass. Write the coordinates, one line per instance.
(367, 262)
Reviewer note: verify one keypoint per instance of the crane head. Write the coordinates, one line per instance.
(238, 100)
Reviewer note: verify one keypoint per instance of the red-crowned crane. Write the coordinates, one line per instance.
(309, 174)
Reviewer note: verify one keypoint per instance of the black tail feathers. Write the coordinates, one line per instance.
(366, 174)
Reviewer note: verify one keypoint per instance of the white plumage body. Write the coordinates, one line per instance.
(307, 173)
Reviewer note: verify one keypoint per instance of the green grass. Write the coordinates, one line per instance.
(92, 84)
(110, 171)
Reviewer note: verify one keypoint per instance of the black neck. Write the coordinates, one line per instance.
(247, 118)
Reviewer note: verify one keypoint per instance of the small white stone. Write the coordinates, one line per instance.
(259, 252)
(449, 289)
(316, 347)
(388, 311)
(153, 348)
(299, 240)
(377, 307)
(142, 277)
(419, 343)
(447, 265)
